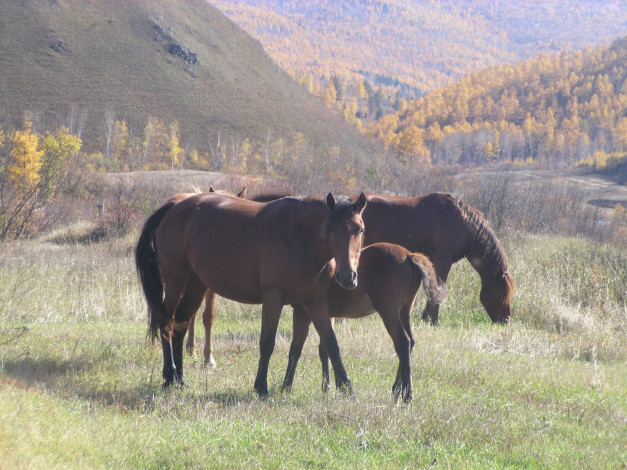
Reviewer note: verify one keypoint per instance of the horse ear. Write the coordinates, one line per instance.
(360, 205)
(211, 190)
(242, 193)
(330, 201)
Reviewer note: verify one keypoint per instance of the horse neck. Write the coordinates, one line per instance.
(310, 217)
(485, 252)
(317, 239)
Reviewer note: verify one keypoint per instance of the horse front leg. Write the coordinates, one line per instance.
(300, 330)
(324, 364)
(442, 267)
(270, 315)
(318, 310)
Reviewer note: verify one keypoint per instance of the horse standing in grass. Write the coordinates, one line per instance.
(446, 229)
(389, 279)
(210, 296)
(282, 252)
(442, 227)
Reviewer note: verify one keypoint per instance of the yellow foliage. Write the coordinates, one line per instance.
(174, 151)
(26, 159)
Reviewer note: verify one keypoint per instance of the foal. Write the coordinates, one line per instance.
(389, 279)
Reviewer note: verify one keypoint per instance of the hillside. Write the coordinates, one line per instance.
(557, 110)
(78, 62)
(424, 45)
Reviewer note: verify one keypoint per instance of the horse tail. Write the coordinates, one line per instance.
(435, 291)
(148, 271)
(485, 252)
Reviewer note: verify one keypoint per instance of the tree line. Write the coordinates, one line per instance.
(557, 110)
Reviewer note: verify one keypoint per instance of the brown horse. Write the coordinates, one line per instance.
(282, 252)
(210, 296)
(446, 229)
(442, 227)
(389, 279)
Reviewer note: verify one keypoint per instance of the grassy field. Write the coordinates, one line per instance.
(80, 386)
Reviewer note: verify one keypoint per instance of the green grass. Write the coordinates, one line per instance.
(80, 387)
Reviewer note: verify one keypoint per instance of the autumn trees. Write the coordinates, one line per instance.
(33, 169)
(555, 111)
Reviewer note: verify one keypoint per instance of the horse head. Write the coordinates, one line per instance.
(345, 229)
(496, 295)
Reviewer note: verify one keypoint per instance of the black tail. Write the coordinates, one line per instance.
(147, 265)
(436, 292)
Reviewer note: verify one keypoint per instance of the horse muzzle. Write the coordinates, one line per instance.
(346, 279)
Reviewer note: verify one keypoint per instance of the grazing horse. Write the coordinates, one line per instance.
(446, 229)
(389, 279)
(277, 253)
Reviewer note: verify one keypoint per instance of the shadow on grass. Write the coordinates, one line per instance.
(30, 371)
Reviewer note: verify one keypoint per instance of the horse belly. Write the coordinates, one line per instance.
(344, 303)
(233, 279)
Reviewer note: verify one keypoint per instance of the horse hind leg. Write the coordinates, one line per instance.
(174, 288)
(187, 307)
(190, 344)
(402, 344)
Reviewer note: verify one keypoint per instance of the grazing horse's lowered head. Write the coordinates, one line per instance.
(344, 223)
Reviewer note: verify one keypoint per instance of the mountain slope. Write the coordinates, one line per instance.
(557, 110)
(425, 44)
(176, 60)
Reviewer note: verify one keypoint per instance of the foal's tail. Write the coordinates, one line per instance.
(147, 265)
(436, 292)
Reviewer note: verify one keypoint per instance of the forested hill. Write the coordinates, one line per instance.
(422, 44)
(557, 110)
(93, 63)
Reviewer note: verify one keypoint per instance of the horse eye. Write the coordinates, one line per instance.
(361, 230)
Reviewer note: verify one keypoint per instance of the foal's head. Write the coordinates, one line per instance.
(345, 228)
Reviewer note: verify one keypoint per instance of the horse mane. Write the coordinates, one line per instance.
(485, 246)
(344, 206)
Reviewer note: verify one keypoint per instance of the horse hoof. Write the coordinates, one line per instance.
(191, 350)
(347, 389)
(211, 362)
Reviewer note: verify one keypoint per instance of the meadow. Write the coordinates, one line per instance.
(80, 383)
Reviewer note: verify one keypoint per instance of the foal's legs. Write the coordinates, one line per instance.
(270, 315)
(318, 310)
(405, 319)
(300, 330)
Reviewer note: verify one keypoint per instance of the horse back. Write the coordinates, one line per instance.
(431, 224)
